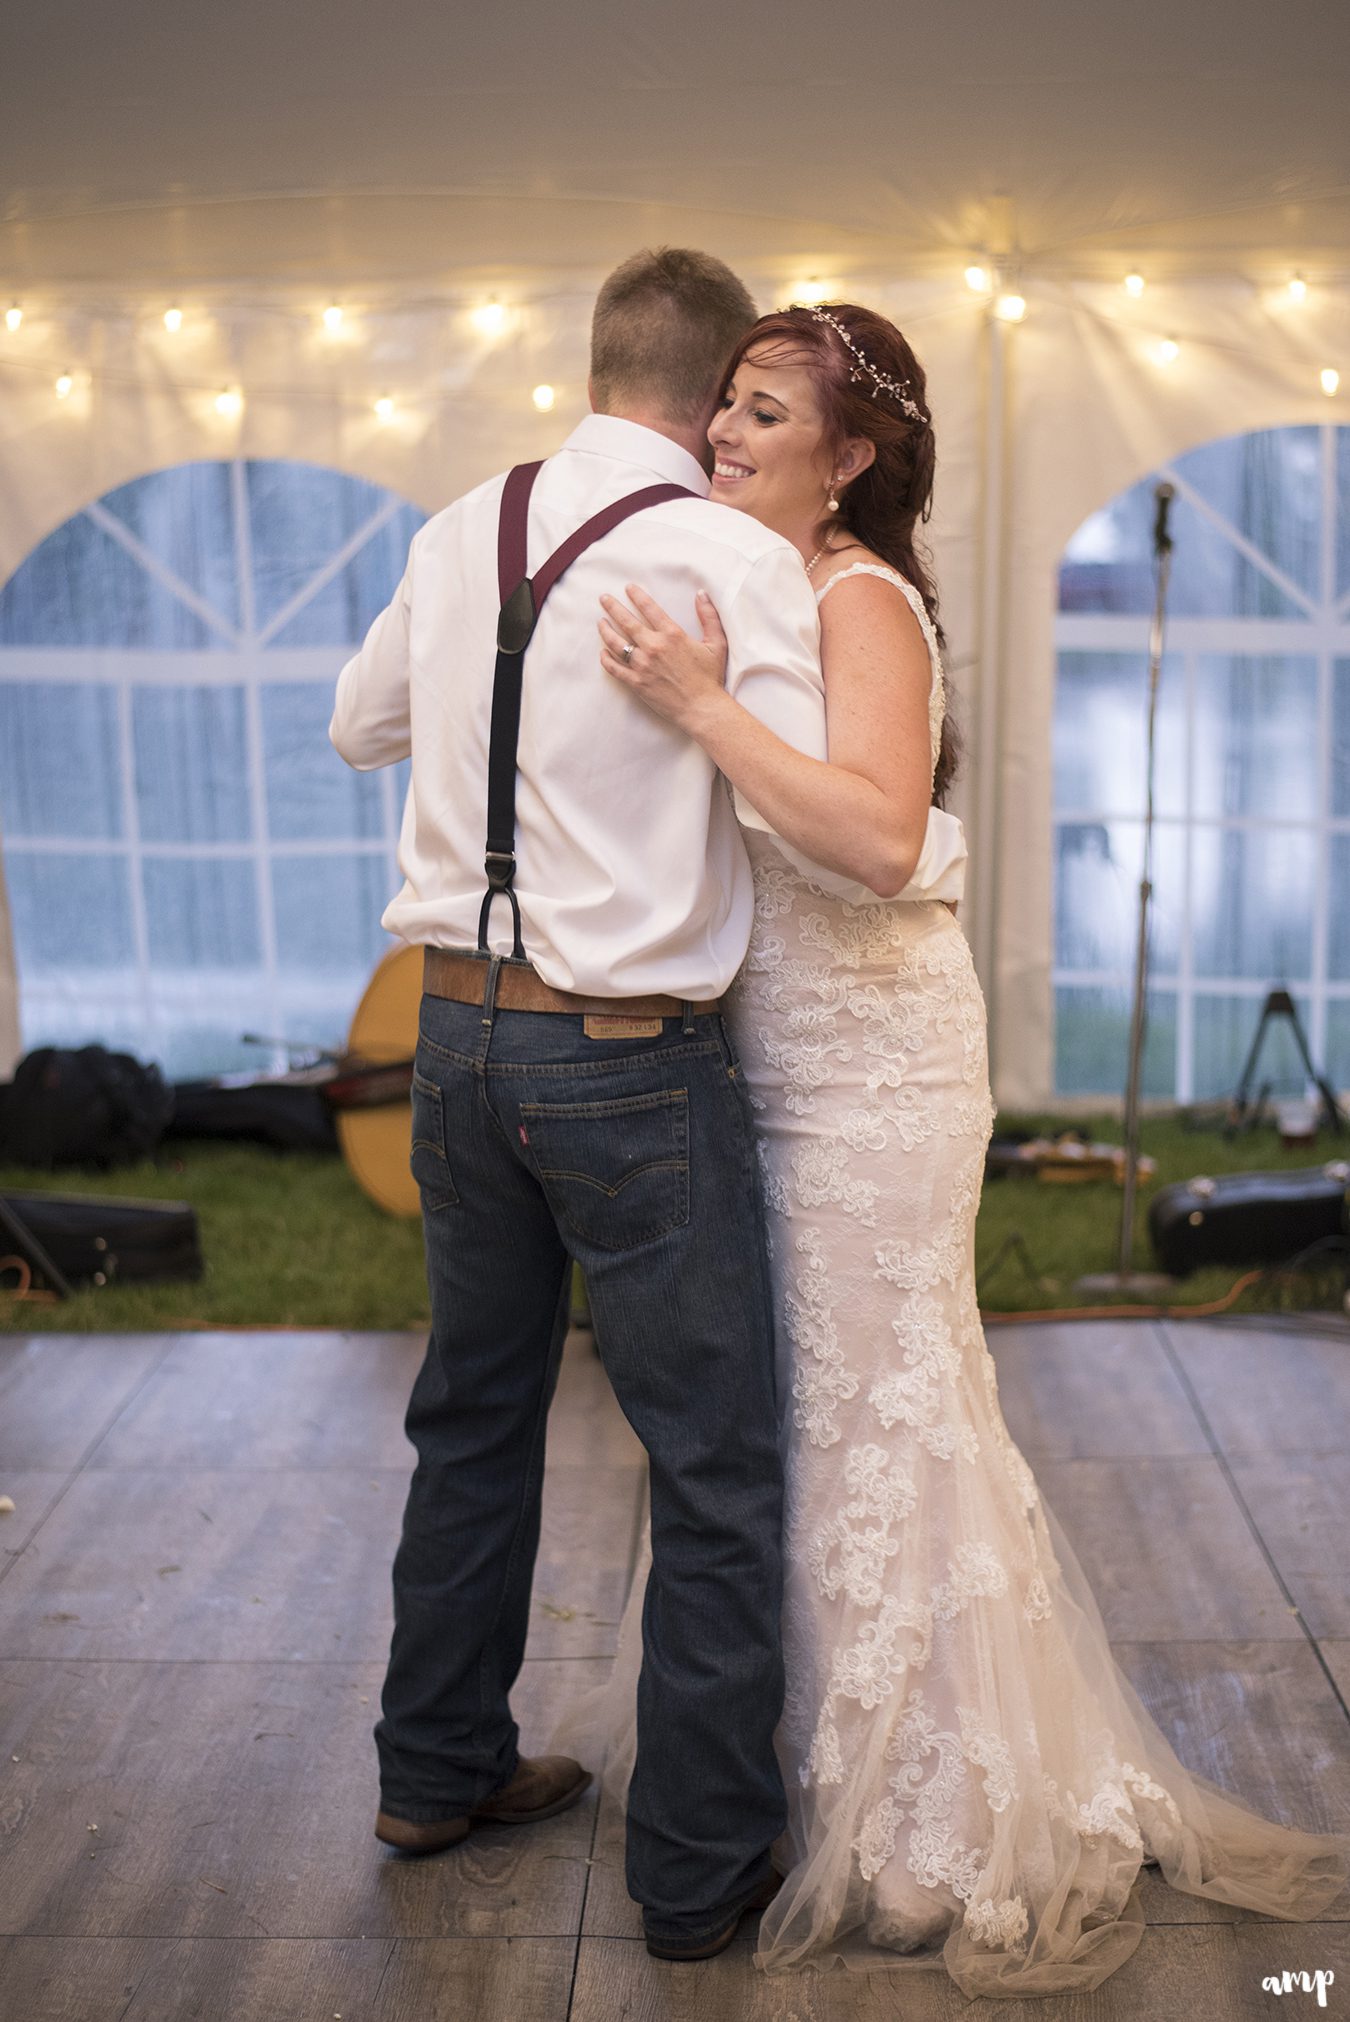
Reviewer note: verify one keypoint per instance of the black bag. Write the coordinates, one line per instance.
(101, 1240)
(1248, 1217)
(287, 1115)
(89, 1107)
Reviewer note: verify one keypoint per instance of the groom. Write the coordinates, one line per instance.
(574, 870)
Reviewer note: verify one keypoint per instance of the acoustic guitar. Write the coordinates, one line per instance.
(371, 1096)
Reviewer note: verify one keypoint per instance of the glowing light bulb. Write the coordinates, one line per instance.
(229, 402)
(384, 407)
(13, 317)
(1298, 289)
(173, 319)
(64, 386)
(543, 398)
(490, 318)
(810, 292)
(332, 318)
(977, 280)
(1010, 308)
(1135, 284)
(1167, 350)
(1331, 380)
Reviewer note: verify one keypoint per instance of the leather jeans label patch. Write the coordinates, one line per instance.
(604, 1025)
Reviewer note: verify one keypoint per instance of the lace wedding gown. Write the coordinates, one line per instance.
(970, 1777)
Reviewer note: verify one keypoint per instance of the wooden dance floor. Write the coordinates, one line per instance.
(194, 1613)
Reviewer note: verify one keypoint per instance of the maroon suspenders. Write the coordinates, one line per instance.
(522, 599)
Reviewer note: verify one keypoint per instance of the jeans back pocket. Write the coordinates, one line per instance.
(616, 1172)
(430, 1166)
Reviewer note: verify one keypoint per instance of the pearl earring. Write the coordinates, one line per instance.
(832, 503)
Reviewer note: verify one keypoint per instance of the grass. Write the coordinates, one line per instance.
(290, 1240)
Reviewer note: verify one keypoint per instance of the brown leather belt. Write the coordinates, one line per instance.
(463, 978)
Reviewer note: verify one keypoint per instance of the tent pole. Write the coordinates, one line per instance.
(989, 715)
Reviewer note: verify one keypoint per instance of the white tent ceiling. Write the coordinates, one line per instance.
(331, 140)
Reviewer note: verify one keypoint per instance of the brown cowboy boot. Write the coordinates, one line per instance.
(542, 1786)
(689, 1950)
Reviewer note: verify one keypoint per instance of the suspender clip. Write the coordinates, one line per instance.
(500, 866)
(517, 619)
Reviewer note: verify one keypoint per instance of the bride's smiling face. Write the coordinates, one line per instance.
(768, 438)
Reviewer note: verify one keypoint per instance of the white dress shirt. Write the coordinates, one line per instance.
(631, 873)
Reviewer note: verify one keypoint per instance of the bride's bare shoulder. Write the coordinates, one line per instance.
(857, 563)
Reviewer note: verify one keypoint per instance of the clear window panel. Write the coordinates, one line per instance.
(59, 768)
(215, 1021)
(301, 517)
(1256, 745)
(328, 911)
(184, 516)
(192, 765)
(80, 587)
(1098, 867)
(1340, 736)
(1252, 893)
(343, 611)
(1338, 922)
(311, 793)
(1224, 1030)
(1337, 1067)
(1101, 734)
(69, 912)
(1108, 565)
(1267, 484)
(1092, 1041)
(103, 1007)
(202, 912)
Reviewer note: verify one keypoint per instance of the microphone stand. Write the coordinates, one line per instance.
(1124, 1278)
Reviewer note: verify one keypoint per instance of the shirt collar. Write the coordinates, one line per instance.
(630, 442)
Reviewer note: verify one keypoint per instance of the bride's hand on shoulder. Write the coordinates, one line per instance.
(680, 678)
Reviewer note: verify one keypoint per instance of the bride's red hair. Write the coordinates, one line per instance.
(884, 507)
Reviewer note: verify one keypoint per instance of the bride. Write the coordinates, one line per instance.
(966, 1766)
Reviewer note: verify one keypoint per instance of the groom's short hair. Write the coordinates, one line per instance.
(665, 324)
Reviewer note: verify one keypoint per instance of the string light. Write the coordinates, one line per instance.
(808, 293)
(13, 316)
(977, 280)
(490, 318)
(1167, 350)
(229, 402)
(332, 318)
(1298, 289)
(384, 407)
(543, 398)
(173, 319)
(1135, 284)
(1010, 308)
(1331, 380)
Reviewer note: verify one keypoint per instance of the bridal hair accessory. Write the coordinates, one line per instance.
(864, 369)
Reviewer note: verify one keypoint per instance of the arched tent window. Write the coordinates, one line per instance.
(188, 859)
(1252, 858)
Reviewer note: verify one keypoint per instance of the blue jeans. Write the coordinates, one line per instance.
(534, 1145)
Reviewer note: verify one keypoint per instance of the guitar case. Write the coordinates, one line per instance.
(79, 1239)
(1248, 1217)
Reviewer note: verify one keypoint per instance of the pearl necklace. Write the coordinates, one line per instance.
(824, 550)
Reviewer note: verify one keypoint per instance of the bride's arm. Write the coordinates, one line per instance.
(865, 813)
